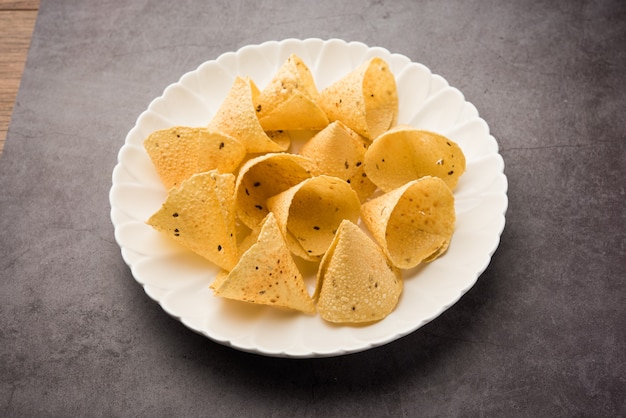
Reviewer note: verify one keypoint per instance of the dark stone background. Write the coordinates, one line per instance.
(543, 331)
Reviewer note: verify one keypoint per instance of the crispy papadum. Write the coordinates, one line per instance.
(289, 101)
(237, 118)
(310, 212)
(265, 176)
(340, 152)
(266, 274)
(413, 223)
(180, 152)
(366, 99)
(200, 215)
(405, 153)
(356, 283)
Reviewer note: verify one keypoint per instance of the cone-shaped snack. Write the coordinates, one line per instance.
(310, 213)
(237, 118)
(414, 223)
(267, 274)
(405, 153)
(289, 101)
(340, 152)
(180, 152)
(366, 99)
(200, 215)
(356, 283)
(265, 176)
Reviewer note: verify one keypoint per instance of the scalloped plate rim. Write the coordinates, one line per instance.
(357, 346)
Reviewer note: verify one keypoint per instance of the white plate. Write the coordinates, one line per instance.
(178, 280)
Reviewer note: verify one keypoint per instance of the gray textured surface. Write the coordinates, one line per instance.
(543, 333)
